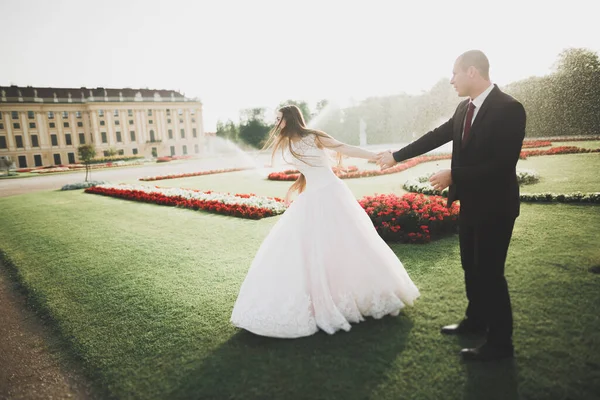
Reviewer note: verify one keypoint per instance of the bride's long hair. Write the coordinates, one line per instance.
(294, 129)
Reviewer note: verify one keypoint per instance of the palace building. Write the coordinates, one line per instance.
(44, 126)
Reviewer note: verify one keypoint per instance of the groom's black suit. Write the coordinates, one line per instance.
(484, 180)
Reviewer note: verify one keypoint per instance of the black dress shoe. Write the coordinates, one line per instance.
(488, 352)
(464, 328)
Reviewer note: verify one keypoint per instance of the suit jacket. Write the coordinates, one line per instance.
(484, 169)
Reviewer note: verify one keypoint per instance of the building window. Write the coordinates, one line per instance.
(78, 114)
(121, 152)
(50, 114)
(65, 114)
(169, 121)
(168, 112)
(193, 120)
(68, 139)
(180, 111)
(37, 159)
(82, 138)
(0, 115)
(150, 121)
(30, 114)
(79, 124)
(104, 139)
(14, 115)
(119, 139)
(54, 140)
(19, 140)
(17, 125)
(134, 151)
(196, 149)
(22, 161)
(65, 124)
(3, 142)
(102, 123)
(117, 122)
(181, 120)
(149, 113)
(184, 150)
(172, 151)
(57, 159)
(116, 113)
(152, 137)
(170, 133)
(71, 158)
(52, 125)
(101, 113)
(1, 126)
(154, 152)
(132, 135)
(130, 113)
(32, 125)
(194, 133)
(34, 141)
(130, 122)
(183, 133)
(193, 112)
(106, 153)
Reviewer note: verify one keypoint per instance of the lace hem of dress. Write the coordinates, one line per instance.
(302, 316)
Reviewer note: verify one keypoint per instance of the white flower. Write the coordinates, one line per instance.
(271, 204)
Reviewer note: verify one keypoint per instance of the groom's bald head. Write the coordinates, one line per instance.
(476, 59)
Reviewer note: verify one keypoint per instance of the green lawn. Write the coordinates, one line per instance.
(142, 295)
(564, 173)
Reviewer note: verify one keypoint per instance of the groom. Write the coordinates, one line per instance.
(487, 131)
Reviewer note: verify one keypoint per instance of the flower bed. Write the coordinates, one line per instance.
(412, 218)
(172, 158)
(528, 144)
(237, 205)
(570, 139)
(557, 150)
(576, 197)
(527, 177)
(421, 184)
(292, 175)
(189, 174)
(82, 185)
(108, 160)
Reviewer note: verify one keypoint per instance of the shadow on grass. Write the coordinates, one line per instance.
(489, 380)
(345, 365)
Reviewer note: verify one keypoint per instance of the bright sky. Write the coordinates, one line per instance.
(253, 53)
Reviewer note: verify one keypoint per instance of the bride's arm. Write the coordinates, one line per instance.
(346, 149)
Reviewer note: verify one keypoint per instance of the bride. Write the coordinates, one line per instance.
(323, 264)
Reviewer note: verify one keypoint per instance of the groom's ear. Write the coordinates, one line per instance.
(471, 71)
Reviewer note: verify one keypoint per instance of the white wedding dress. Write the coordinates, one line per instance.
(323, 265)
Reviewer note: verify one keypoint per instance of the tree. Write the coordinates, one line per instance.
(227, 130)
(86, 153)
(253, 128)
(254, 133)
(302, 105)
(578, 89)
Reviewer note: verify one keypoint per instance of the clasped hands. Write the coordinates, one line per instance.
(440, 180)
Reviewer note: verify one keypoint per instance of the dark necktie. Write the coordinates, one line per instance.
(468, 120)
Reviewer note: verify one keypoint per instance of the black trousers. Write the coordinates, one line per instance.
(483, 248)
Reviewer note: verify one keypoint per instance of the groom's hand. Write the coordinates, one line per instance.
(385, 160)
(441, 180)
